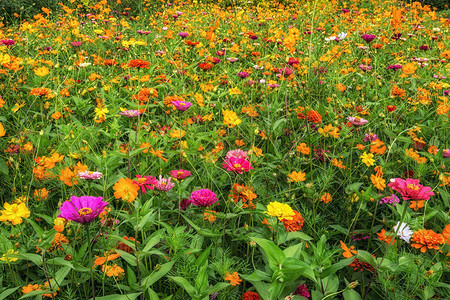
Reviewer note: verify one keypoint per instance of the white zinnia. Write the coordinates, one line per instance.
(403, 231)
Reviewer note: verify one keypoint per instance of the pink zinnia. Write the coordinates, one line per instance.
(237, 165)
(203, 197)
(357, 120)
(446, 153)
(180, 174)
(131, 113)
(145, 182)
(410, 189)
(181, 105)
(238, 153)
(82, 209)
(90, 175)
(164, 184)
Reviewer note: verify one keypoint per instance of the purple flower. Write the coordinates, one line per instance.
(365, 67)
(253, 37)
(90, 175)
(302, 290)
(392, 199)
(368, 37)
(203, 198)
(394, 67)
(7, 42)
(357, 120)
(181, 105)
(82, 209)
(424, 47)
(370, 137)
(131, 113)
(243, 74)
(183, 34)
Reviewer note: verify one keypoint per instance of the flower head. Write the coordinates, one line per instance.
(14, 213)
(237, 165)
(237, 153)
(367, 159)
(164, 184)
(426, 239)
(126, 189)
(180, 174)
(131, 113)
(302, 290)
(82, 209)
(233, 278)
(181, 105)
(410, 189)
(368, 37)
(203, 197)
(357, 120)
(280, 210)
(145, 182)
(403, 231)
(90, 175)
(296, 224)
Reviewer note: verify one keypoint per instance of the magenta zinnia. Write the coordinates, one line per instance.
(410, 189)
(82, 209)
(180, 174)
(203, 197)
(145, 182)
(237, 165)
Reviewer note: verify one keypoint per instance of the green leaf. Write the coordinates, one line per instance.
(203, 258)
(294, 251)
(61, 274)
(37, 259)
(293, 268)
(131, 276)
(7, 292)
(152, 241)
(298, 235)
(184, 284)
(271, 252)
(201, 281)
(146, 219)
(337, 266)
(155, 276)
(217, 287)
(330, 284)
(39, 231)
(129, 258)
(4, 167)
(205, 232)
(119, 297)
(366, 257)
(351, 295)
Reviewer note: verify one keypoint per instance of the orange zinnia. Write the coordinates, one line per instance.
(126, 189)
(409, 68)
(424, 239)
(296, 224)
(138, 63)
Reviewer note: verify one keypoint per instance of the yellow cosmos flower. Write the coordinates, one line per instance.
(7, 258)
(367, 159)
(280, 210)
(14, 213)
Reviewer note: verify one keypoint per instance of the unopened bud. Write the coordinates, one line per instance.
(353, 284)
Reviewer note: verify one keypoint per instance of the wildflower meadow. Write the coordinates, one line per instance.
(225, 150)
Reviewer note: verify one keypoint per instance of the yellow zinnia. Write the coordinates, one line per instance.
(280, 210)
(14, 213)
(230, 118)
(367, 159)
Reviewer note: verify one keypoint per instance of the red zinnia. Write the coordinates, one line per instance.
(138, 63)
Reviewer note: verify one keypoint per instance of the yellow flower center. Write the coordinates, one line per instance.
(237, 166)
(15, 209)
(413, 187)
(163, 183)
(180, 173)
(182, 103)
(141, 180)
(85, 211)
(357, 119)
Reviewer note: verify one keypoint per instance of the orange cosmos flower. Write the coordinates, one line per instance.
(417, 204)
(42, 71)
(233, 278)
(68, 177)
(348, 252)
(326, 197)
(383, 237)
(126, 189)
(303, 148)
(114, 270)
(424, 239)
(297, 176)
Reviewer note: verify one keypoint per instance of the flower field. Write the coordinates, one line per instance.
(225, 150)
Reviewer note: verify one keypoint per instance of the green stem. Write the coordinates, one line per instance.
(90, 261)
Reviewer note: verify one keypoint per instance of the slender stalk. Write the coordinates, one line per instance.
(90, 261)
